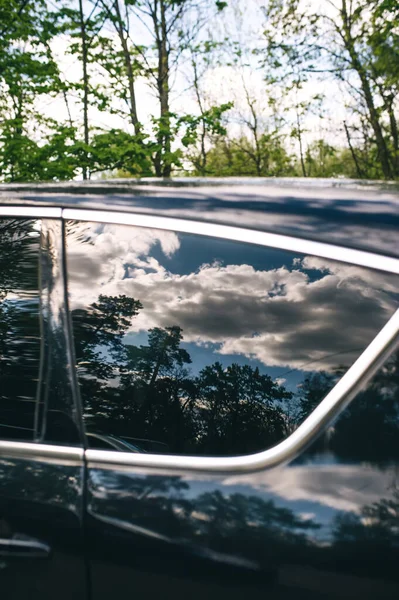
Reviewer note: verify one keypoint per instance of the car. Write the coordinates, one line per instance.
(199, 389)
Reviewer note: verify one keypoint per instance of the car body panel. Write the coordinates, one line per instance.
(324, 525)
(41, 501)
(356, 214)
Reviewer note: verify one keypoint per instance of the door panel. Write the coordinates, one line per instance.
(324, 526)
(41, 506)
(41, 486)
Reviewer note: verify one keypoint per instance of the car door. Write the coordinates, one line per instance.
(41, 453)
(268, 380)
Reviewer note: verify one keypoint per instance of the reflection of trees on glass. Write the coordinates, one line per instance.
(19, 326)
(239, 412)
(149, 392)
(98, 334)
(369, 428)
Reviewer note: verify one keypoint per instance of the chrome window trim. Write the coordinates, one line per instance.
(41, 452)
(27, 212)
(352, 256)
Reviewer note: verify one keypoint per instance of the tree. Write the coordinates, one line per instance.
(117, 150)
(123, 67)
(28, 72)
(238, 409)
(98, 333)
(238, 157)
(360, 51)
(84, 30)
(173, 26)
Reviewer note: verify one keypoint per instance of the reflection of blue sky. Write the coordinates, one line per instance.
(196, 251)
(203, 356)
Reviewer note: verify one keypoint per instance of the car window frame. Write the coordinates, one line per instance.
(38, 449)
(384, 343)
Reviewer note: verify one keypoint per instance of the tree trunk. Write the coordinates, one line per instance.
(163, 90)
(129, 68)
(83, 35)
(300, 144)
(395, 139)
(203, 155)
(383, 152)
(358, 169)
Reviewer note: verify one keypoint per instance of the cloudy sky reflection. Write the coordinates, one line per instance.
(280, 311)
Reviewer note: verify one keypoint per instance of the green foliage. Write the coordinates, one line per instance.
(359, 48)
(210, 119)
(56, 158)
(237, 157)
(118, 150)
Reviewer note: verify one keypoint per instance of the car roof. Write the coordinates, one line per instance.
(357, 214)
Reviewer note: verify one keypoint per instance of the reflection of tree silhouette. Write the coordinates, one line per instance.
(98, 333)
(240, 525)
(238, 409)
(150, 501)
(42, 500)
(148, 391)
(369, 428)
(374, 532)
(19, 326)
(249, 525)
(312, 390)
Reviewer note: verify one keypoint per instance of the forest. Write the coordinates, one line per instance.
(143, 88)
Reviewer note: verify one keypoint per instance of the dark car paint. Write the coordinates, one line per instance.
(356, 214)
(151, 533)
(134, 532)
(42, 500)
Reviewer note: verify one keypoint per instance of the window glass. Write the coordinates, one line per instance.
(213, 347)
(19, 327)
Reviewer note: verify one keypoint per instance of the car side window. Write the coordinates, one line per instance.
(19, 327)
(208, 346)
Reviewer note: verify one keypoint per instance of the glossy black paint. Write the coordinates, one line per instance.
(356, 214)
(41, 500)
(324, 526)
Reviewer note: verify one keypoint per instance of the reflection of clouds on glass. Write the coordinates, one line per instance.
(307, 311)
(110, 254)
